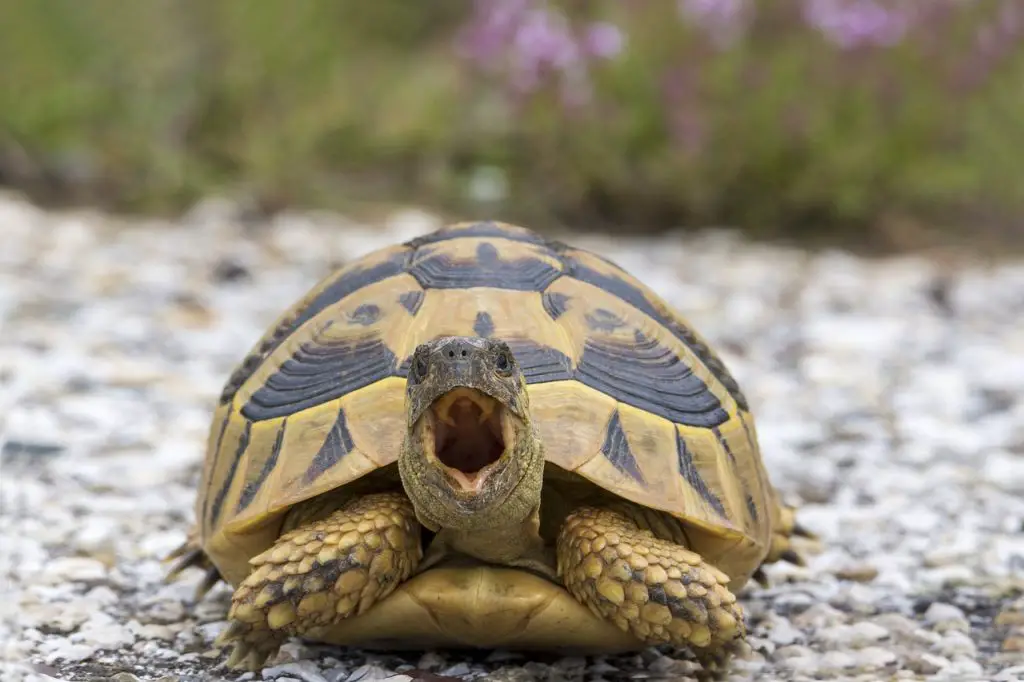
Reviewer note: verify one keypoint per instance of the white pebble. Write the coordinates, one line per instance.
(307, 671)
(430, 661)
(74, 568)
(103, 632)
(71, 653)
(873, 657)
(783, 633)
(941, 614)
(866, 632)
(956, 643)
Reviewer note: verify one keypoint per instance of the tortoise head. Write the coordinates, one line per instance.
(471, 458)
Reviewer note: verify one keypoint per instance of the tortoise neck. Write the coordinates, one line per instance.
(508, 497)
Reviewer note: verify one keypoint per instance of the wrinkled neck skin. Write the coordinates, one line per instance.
(509, 497)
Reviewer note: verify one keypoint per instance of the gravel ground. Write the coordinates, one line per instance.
(888, 395)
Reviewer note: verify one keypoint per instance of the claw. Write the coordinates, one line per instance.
(187, 557)
(792, 557)
(192, 557)
(244, 654)
(211, 578)
(238, 654)
(803, 532)
(181, 550)
(232, 632)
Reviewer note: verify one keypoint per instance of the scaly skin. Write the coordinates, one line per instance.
(656, 589)
(322, 572)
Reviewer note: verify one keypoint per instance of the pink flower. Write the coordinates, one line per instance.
(855, 23)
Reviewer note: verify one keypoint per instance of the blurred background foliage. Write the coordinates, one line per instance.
(876, 121)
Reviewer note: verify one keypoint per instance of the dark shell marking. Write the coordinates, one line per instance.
(689, 471)
(337, 444)
(253, 487)
(616, 449)
(320, 371)
(634, 369)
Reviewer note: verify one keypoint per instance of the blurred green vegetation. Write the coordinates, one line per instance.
(148, 106)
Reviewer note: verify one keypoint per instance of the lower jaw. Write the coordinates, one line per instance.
(458, 509)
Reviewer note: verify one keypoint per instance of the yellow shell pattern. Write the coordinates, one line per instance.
(623, 392)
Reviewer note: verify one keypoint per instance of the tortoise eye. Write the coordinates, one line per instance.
(503, 362)
(420, 367)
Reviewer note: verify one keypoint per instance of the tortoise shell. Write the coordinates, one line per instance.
(622, 391)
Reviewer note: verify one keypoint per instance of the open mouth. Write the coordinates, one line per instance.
(470, 434)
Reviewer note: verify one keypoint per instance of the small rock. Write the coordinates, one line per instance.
(430, 661)
(71, 653)
(375, 673)
(74, 568)
(666, 665)
(946, 617)
(956, 643)
(861, 573)
(166, 611)
(230, 270)
(1013, 643)
(866, 632)
(926, 664)
(1014, 674)
(456, 670)
(818, 616)
(794, 651)
(505, 674)
(782, 632)
(837, 660)
(874, 657)
(1011, 615)
(805, 664)
(307, 671)
(961, 669)
(211, 631)
(601, 667)
(151, 631)
(103, 632)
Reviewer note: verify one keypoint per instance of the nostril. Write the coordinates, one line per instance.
(451, 354)
(463, 353)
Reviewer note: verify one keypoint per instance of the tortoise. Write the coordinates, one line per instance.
(484, 438)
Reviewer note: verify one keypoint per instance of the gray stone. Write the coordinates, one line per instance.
(865, 633)
(71, 653)
(873, 657)
(939, 612)
(430, 661)
(306, 671)
(457, 670)
(956, 643)
(783, 633)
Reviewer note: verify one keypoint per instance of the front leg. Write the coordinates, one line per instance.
(656, 589)
(322, 572)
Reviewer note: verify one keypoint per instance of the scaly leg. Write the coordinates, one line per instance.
(655, 589)
(322, 572)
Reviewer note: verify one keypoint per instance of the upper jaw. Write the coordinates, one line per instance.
(468, 436)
